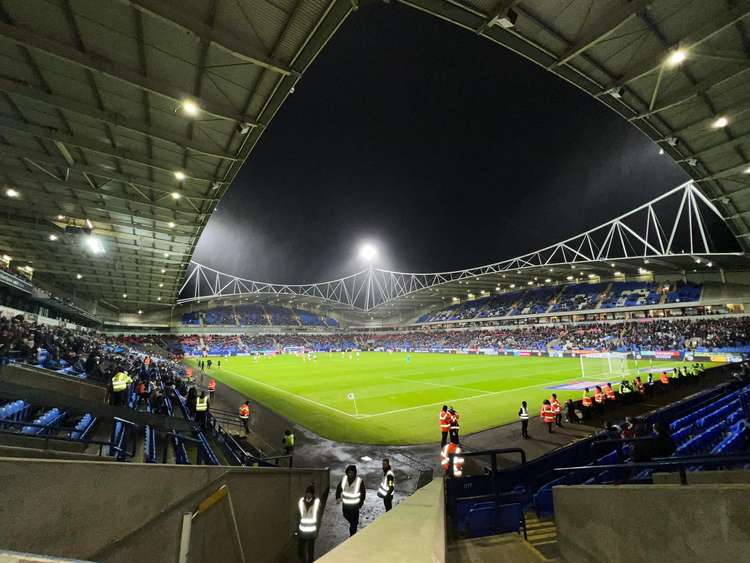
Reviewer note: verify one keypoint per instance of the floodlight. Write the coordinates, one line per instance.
(53, 237)
(677, 57)
(569, 278)
(179, 175)
(661, 151)
(548, 280)
(140, 312)
(94, 244)
(171, 225)
(747, 170)
(720, 122)
(507, 20)
(158, 298)
(190, 108)
(61, 217)
(616, 92)
(368, 252)
(618, 273)
(163, 271)
(124, 295)
(710, 264)
(10, 192)
(512, 286)
(79, 276)
(161, 285)
(7, 258)
(166, 255)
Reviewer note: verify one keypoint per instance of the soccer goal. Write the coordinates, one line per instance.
(604, 364)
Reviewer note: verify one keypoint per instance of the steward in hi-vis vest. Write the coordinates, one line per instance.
(351, 494)
(523, 415)
(307, 529)
(387, 485)
(444, 419)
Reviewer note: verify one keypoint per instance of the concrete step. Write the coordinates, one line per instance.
(505, 548)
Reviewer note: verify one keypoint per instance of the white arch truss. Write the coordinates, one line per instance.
(673, 224)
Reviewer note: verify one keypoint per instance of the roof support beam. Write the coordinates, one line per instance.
(601, 29)
(102, 65)
(500, 10)
(181, 18)
(107, 117)
(705, 32)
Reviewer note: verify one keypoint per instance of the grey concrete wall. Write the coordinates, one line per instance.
(653, 523)
(125, 512)
(413, 532)
(60, 384)
(703, 477)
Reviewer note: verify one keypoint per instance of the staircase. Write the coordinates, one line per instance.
(542, 534)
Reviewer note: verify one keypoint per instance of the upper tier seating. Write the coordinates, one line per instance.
(685, 293)
(631, 294)
(535, 301)
(579, 296)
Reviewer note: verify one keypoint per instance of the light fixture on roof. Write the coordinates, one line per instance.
(720, 122)
(53, 237)
(172, 225)
(677, 57)
(646, 261)
(710, 264)
(244, 127)
(592, 276)
(697, 260)
(179, 175)
(616, 92)
(140, 312)
(618, 273)
(61, 217)
(161, 285)
(548, 280)
(529, 282)
(124, 295)
(10, 192)
(190, 108)
(79, 276)
(573, 267)
(89, 224)
(692, 161)
(747, 170)
(661, 151)
(512, 286)
(671, 141)
(215, 185)
(7, 258)
(166, 255)
(163, 271)
(158, 298)
(94, 244)
(506, 20)
(368, 252)
(569, 278)
(176, 195)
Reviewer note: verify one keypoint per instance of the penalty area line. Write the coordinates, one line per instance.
(311, 401)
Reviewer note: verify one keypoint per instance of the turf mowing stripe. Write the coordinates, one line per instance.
(465, 398)
(293, 394)
(434, 384)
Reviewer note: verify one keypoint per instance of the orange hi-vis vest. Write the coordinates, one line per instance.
(445, 421)
(610, 393)
(598, 397)
(664, 379)
(454, 421)
(555, 406)
(548, 414)
(641, 387)
(586, 401)
(212, 385)
(244, 411)
(458, 461)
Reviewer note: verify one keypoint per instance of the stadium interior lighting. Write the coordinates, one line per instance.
(190, 108)
(697, 260)
(671, 141)
(512, 286)
(163, 271)
(591, 276)
(548, 280)
(368, 252)
(747, 170)
(7, 258)
(569, 278)
(172, 225)
(158, 298)
(507, 20)
(124, 295)
(94, 244)
(53, 237)
(89, 224)
(661, 151)
(179, 175)
(616, 92)
(176, 195)
(618, 273)
(61, 217)
(720, 122)
(140, 312)
(10, 192)
(79, 276)
(166, 255)
(710, 264)
(529, 282)
(677, 57)
(161, 285)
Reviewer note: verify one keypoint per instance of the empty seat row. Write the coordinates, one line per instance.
(703, 442)
(700, 413)
(83, 427)
(14, 412)
(44, 423)
(733, 441)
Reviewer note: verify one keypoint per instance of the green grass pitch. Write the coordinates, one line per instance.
(398, 400)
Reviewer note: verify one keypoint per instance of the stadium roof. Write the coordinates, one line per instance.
(95, 122)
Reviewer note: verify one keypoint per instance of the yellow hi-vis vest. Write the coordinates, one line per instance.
(384, 490)
(289, 440)
(120, 382)
(350, 493)
(308, 517)
(201, 405)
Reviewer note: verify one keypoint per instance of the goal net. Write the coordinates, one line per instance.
(604, 364)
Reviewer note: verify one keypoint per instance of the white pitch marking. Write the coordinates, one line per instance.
(468, 398)
(297, 396)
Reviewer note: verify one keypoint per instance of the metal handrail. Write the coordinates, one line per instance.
(680, 463)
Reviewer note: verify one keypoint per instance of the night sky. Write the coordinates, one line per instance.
(445, 149)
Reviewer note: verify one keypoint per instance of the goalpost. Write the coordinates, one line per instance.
(604, 365)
